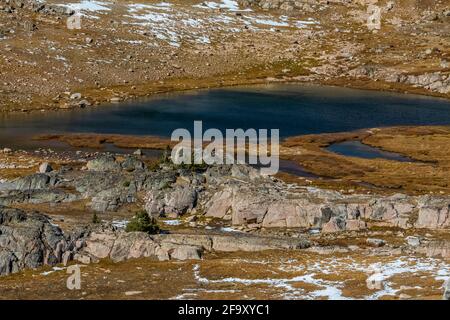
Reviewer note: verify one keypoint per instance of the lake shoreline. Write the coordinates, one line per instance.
(309, 155)
(149, 90)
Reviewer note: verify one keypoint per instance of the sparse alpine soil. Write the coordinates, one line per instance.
(126, 49)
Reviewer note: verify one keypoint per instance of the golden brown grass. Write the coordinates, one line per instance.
(428, 145)
(163, 280)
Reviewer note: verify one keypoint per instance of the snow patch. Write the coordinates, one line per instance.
(172, 222)
(120, 224)
(89, 6)
(54, 269)
(230, 5)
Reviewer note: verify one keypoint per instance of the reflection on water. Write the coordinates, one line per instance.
(360, 150)
(293, 109)
(295, 169)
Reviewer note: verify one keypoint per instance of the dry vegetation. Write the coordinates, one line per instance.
(265, 275)
(427, 145)
(96, 141)
(120, 54)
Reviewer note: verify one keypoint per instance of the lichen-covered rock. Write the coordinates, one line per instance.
(249, 209)
(334, 225)
(111, 199)
(132, 163)
(171, 201)
(45, 167)
(103, 163)
(439, 248)
(36, 196)
(446, 295)
(391, 211)
(28, 241)
(355, 225)
(270, 203)
(220, 204)
(434, 213)
(35, 182)
(120, 246)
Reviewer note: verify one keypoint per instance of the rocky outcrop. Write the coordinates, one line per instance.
(171, 202)
(237, 193)
(120, 246)
(232, 193)
(273, 204)
(45, 167)
(103, 163)
(240, 195)
(36, 6)
(434, 213)
(437, 248)
(36, 196)
(236, 242)
(107, 183)
(35, 182)
(132, 163)
(446, 295)
(434, 81)
(28, 241)
(285, 5)
(111, 199)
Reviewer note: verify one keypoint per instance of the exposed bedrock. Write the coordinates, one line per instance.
(107, 183)
(237, 193)
(246, 198)
(28, 241)
(120, 245)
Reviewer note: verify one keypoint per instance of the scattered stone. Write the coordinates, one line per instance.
(45, 167)
(446, 295)
(83, 104)
(375, 242)
(334, 225)
(131, 163)
(29, 26)
(191, 218)
(413, 241)
(103, 163)
(28, 241)
(75, 96)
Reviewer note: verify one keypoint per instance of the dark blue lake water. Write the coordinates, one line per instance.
(360, 150)
(294, 109)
